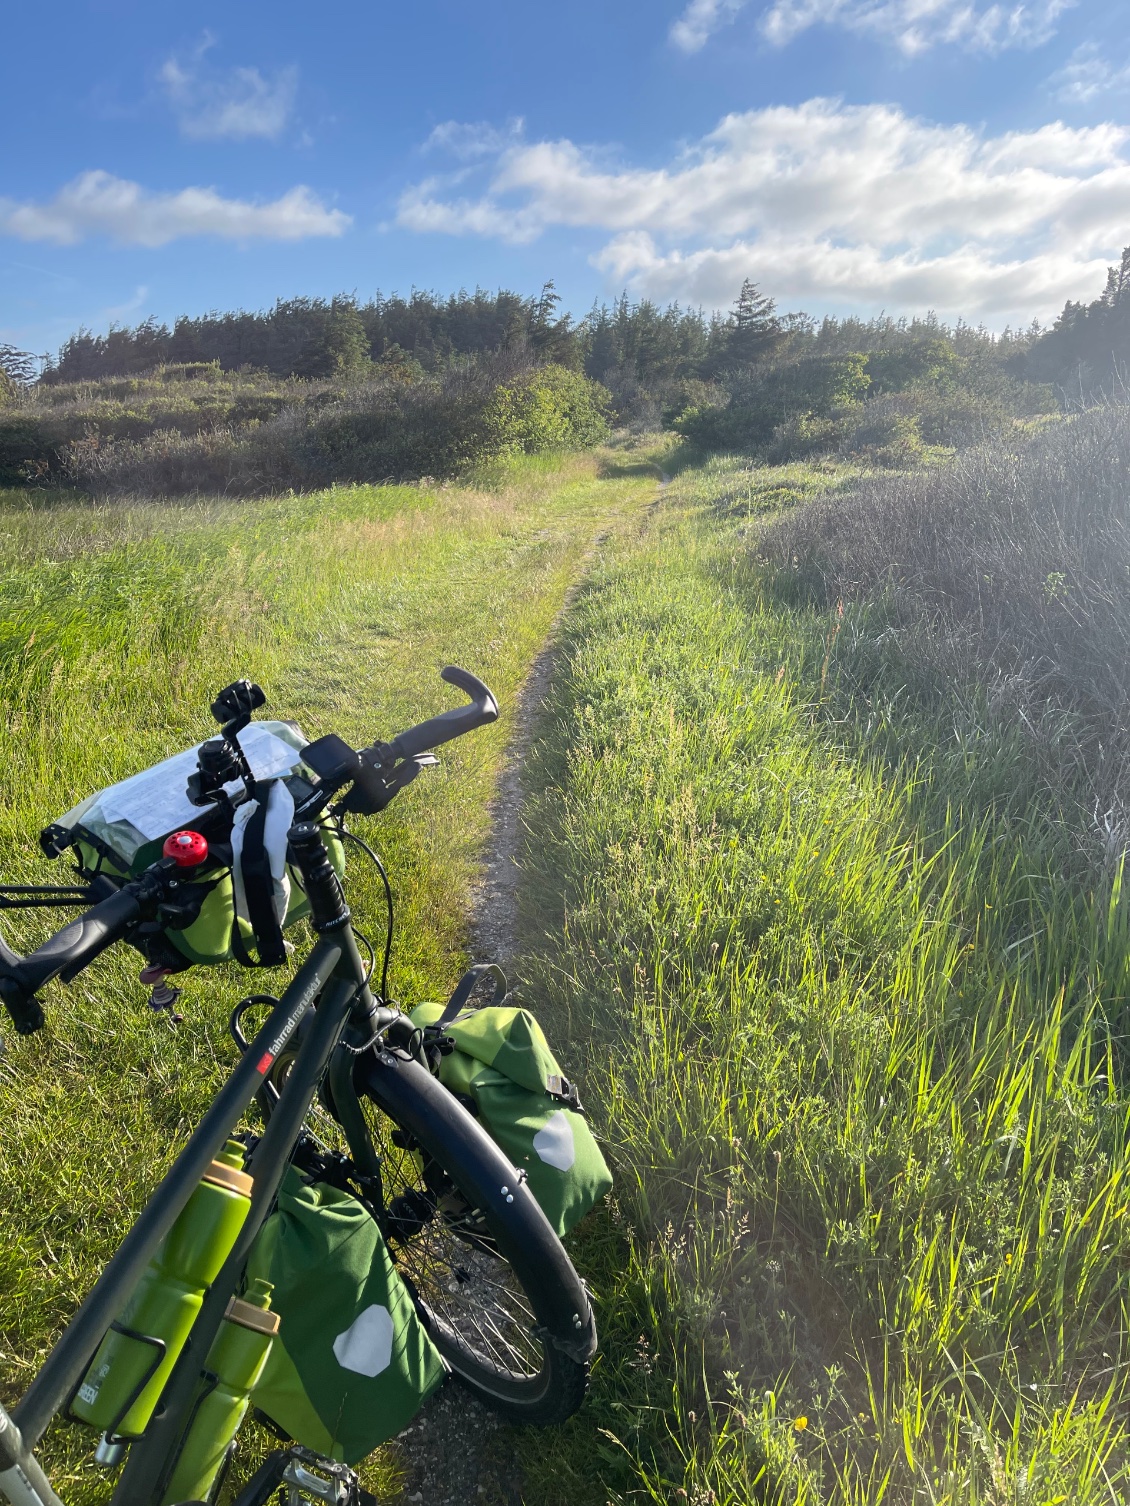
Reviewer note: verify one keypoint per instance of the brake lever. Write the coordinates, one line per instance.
(375, 786)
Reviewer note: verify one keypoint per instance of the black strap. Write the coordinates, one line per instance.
(259, 890)
(106, 853)
(466, 987)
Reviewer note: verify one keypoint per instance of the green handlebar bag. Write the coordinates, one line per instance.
(238, 910)
(503, 1068)
(352, 1362)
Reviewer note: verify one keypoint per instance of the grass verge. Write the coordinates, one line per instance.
(117, 626)
(855, 1041)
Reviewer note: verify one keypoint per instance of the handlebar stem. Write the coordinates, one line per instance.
(307, 851)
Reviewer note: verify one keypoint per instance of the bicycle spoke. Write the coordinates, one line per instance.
(458, 1275)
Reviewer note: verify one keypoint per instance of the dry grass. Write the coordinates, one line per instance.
(997, 584)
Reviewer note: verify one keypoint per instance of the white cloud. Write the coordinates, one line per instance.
(1087, 74)
(701, 19)
(824, 274)
(824, 200)
(473, 140)
(913, 26)
(235, 104)
(97, 203)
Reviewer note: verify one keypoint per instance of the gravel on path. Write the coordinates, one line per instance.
(454, 1452)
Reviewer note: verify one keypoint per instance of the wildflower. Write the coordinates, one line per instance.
(800, 1424)
(1008, 1259)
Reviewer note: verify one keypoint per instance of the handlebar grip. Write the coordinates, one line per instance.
(66, 953)
(450, 724)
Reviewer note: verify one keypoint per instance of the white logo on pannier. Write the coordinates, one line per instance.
(554, 1142)
(366, 1345)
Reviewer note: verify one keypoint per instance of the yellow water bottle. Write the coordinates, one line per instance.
(235, 1362)
(124, 1383)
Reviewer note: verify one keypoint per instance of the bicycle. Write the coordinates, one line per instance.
(489, 1277)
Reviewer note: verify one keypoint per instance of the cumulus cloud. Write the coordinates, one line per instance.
(97, 203)
(913, 26)
(823, 200)
(701, 19)
(233, 104)
(1087, 74)
(824, 273)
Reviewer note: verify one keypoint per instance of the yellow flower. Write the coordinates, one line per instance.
(800, 1424)
(1008, 1259)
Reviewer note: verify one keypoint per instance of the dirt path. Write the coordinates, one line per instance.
(455, 1451)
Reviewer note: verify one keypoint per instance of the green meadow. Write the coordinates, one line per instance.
(822, 902)
(846, 988)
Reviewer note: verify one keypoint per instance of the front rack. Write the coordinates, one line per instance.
(46, 896)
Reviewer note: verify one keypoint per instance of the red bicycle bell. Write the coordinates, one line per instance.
(187, 849)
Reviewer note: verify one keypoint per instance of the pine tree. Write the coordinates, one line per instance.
(17, 366)
(755, 331)
(1118, 282)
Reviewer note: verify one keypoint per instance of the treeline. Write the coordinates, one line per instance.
(640, 341)
(316, 390)
(1087, 350)
(315, 338)
(639, 350)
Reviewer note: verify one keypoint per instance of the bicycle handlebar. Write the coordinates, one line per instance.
(64, 954)
(378, 773)
(449, 724)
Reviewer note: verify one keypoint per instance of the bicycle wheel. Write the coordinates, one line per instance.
(489, 1276)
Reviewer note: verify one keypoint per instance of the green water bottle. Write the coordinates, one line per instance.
(235, 1362)
(124, 1383)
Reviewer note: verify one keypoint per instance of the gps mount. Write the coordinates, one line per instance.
(221, 759)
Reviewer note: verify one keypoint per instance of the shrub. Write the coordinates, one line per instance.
(763, 398)
(928, 362)
(886, 433)
(552, 408)
(385, 428)
(804, 435)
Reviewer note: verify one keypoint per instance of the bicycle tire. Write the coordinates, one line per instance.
(489, 1276)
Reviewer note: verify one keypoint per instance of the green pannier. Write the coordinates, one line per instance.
(234, 913)
(352, 1362)
(503, 1069)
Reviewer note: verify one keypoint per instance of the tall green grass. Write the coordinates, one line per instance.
(117, 626)
(857, 1049)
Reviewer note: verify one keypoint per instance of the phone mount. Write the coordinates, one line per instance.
(221, 760)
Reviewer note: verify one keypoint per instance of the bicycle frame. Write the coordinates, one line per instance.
(333, 977)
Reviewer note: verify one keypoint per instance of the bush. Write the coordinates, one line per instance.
(804, 435)
(928, 363)
(886, 433)
(385, 428)
(551, 409)
(764, 398)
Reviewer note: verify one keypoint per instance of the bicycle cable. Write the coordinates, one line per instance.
(349, 836)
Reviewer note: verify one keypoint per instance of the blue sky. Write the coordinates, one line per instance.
(850, 155)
